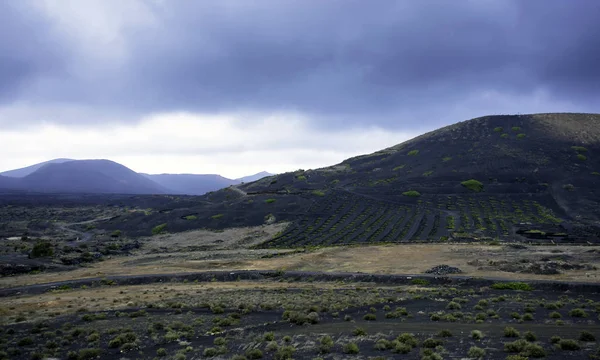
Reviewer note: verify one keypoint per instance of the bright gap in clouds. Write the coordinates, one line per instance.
(230, 145)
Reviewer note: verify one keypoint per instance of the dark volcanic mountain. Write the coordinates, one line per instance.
(22, 172)
(492, 177)
(191, 184)
(104, 176)
(88, 176)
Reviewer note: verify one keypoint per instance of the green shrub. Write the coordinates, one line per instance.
(318, 192)
(432, 343)
(162, 352)
(579, 148)
(596, 173)
(402, 348)
(453, 306)
(555, 339)
(534, 351)
(398, 167)
(476, 335)
(521, 136)
(411, 193)
(586, 336)
(220, 341)
(210, 352)
(370, 317)
(516, 346)
(512, 286)
(529, 336)
(254, 354)
(42, 249)
(516, 357)
(504, 136)
(446, 158)
(88, 354)
(581, 157)
(408, 339)
(412, 152)
(216, 217)
(358, 331)
(555, 315)
(445, 333)
(159, 229)
(270, 201)
(476, 352)
(580, 313)
(191, 217)
(419, 282)
(568, 344)
(473, 185)
(515, 128)
(285, 352)
(351, 348)
(510, 331)
(498, 129)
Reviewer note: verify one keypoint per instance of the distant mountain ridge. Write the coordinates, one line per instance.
(105, 176)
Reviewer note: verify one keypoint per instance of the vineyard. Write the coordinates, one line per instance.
(345, 217)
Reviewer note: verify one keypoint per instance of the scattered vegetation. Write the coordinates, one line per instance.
(512, 286)
(159, 229)
(411, 193)
(473, 185)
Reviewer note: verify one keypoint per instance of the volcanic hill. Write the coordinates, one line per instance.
(519, 177)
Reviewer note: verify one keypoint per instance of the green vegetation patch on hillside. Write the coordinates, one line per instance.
(579, 148)
(512, 286)
(581, 157)
(516, 128)
(413, 152)
(473, 185)
(411, 193)
(159, 229)
(498, 129)
(521, 136)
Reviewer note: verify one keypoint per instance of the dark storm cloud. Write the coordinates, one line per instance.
(28, 50)
(323, 58)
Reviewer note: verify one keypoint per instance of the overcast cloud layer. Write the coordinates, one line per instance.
(137, 80)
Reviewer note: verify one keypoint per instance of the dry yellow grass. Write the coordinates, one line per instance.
(391, 259)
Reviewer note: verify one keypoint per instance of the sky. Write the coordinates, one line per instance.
(238, 87)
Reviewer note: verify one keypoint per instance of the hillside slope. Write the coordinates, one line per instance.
(492, 177)
(22, 172)
(191, 184)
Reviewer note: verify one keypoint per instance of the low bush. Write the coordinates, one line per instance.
(529, 336)
(512, 286)
(411, 193)
(159, 229)
(476, 352)
(586, 336)
(351, 348)
(473, 185)
(476, 335)
(580, 313)
(568, 344)
(510, 331)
